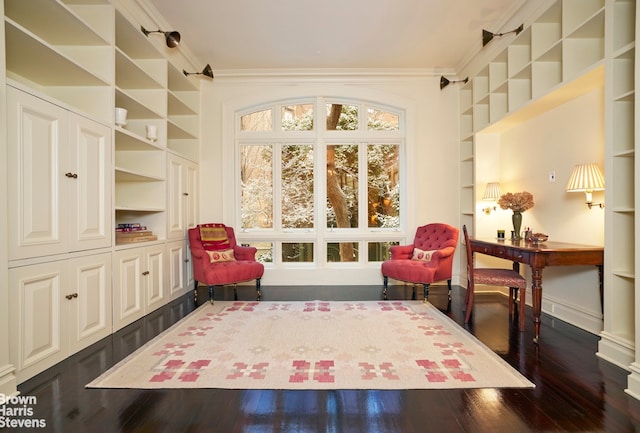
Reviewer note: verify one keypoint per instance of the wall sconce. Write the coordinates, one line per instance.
(444, 82)
(491, 193)
(487, 36)
(587, 178)
(207, 72)
(172, 38)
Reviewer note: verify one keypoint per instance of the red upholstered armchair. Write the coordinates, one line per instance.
(427, 260)
(219, 260)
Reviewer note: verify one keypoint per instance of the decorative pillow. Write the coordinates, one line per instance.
(221, 256)
(214, 237)
(422, 255)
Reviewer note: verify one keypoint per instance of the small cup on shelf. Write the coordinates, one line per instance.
(121, 116)
(152, 133)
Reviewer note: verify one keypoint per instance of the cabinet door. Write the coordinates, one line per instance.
(190, 283)
(176, 252)
(37, 323)
(90, 314)
(191, 206)
(90, 164)
(155, 277)
(182, 200)
(176, 225)
(128, 289)
(37, 137)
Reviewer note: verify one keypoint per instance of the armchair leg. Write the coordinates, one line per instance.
(384, 289)
(211, 294)
(426, 292)
(449, 286)
(258, 289)
(195, 293)
(414, 296)
(235, 292)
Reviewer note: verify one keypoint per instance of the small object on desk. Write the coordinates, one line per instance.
(538, 238)
(501, 234)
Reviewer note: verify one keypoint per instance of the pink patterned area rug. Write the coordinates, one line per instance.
(314, 345)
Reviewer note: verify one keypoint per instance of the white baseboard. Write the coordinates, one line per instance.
(576, 315)
(8, 383)
(616, 351)
(633, 381)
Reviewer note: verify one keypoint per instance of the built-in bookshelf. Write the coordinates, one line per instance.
(568, 46)
(619, 337)
(562, 48)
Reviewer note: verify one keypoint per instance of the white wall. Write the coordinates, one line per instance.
(570, 134)
(432, 149)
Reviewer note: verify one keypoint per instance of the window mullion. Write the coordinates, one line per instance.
(277, 186)
(363, 186)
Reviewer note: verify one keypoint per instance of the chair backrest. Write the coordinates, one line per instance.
(436, 236)
(196, 242)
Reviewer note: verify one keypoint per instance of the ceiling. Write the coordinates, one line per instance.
(439, 35)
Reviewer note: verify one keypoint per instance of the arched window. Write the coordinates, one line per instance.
(320, 180)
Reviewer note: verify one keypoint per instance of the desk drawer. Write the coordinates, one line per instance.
(505, 253)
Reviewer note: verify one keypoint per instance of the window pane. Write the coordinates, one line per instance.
(297, 186)
(379, 251)
(256, 186)
(382, 120)
(297, 117)
(265, 251)
(342, 186)
(342, 117)
(297, 252)
(342, 252)
(257, 121)
(383, 185)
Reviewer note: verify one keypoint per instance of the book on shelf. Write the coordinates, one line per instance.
(132, 233)
(134, 239)
(133, 227)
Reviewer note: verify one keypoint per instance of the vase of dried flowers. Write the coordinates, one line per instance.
(517, 202)
(516, 219)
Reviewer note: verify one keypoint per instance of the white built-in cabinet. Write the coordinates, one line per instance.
(140, 282)
(74, 175)
(57, 308)
(60, 171)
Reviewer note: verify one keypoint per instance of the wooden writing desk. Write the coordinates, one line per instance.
(537, 256)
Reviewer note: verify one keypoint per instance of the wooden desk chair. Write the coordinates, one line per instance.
(493, 277)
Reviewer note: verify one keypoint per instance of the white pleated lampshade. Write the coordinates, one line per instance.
(586, 177)
(492, 192)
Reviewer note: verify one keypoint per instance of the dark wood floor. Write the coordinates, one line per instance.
(575, 391)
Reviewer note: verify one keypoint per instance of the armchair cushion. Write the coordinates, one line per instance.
(214, 237)
(221, 255)
(422, 255)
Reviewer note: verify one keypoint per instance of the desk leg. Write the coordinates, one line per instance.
(536, 297)
(601, 281)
